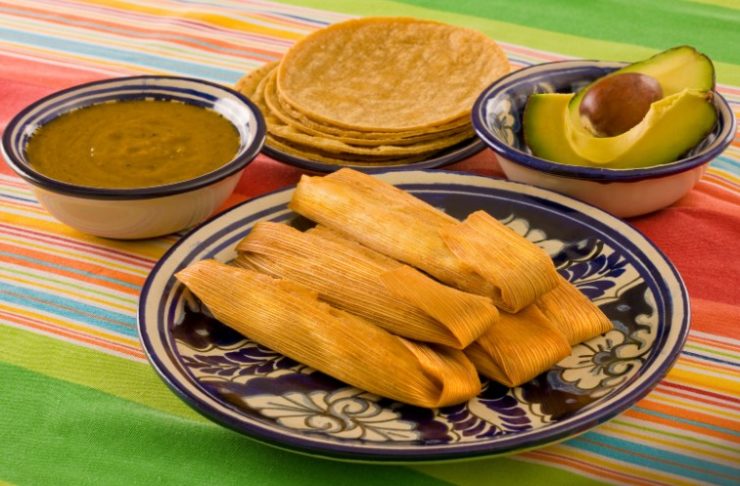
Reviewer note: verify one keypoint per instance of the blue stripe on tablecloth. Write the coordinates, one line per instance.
(76, 271)
(684, 420)
(727, 164)
(122, 55)
(704, 357)
(651, 457)
(71, 309)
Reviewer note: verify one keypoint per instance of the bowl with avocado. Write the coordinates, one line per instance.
(630, 138)
(135, 157)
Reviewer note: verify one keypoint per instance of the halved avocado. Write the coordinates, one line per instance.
(676, 69)
(554, 130)
(672, 126)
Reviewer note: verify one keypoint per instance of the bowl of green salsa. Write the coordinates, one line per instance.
(135, 157)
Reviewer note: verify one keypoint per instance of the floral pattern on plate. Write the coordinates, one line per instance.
(261, 393)
(593, 369)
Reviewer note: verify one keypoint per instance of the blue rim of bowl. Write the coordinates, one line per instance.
(37, 179)
(379, 454)
(449, 156)
(593, 173)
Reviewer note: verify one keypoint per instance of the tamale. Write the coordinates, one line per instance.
(520, 271)
(573, 313)
(386, 219)
(395, 223)
(518, 347)
(357, 279)
(285, 317)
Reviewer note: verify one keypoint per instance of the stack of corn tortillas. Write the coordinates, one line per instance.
(375, 91)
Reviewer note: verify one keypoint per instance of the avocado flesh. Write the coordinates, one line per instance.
(672, 126)
(676, 69)
(543, 122)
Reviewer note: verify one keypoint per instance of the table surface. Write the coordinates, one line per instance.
(80, 404)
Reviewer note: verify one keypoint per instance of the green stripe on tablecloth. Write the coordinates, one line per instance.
(64, 433)
(710, 28)
(132, 380)
(621, 41)
(722, 3)
(138, 385)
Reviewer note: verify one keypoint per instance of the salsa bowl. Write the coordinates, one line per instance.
(137, 212)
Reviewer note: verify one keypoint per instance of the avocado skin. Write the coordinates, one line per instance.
(678, 68)
(554, 131)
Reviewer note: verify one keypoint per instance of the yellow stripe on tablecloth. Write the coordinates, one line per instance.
(39, 219)
(103, 297)
(198, 13)
(705, 376)
(50, 322)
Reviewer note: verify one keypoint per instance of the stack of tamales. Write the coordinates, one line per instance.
(392, 295)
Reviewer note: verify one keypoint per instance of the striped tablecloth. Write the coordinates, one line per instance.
(79, 403)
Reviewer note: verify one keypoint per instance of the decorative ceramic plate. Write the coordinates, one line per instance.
(269, 397)
(444, 158)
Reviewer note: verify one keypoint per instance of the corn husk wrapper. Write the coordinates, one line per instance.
(477, 256)
(354, 278)
(289, 319)
(573, 313)
(518, 347)
(386, 219)
(520, 271)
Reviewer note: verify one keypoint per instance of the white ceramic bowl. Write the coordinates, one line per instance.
(139, 212)
(497, 116)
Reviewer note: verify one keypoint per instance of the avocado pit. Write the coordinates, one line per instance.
(617, 103)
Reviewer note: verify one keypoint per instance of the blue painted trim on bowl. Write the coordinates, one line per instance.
(726, 120)
(414, 455)
(447, 157)
(22, 168)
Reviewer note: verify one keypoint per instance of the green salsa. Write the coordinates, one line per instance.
(128, 144)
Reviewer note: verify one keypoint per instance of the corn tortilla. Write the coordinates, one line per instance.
(389, 74)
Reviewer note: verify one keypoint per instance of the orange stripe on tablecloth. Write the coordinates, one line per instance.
(158, 33)
(700, 406)
(712, 316)
(652, 405)
(75, 244)
(202, 17)
(46, 62)
(728, 386)
(32, 207)
(699, 395)
(719, 345)
(722, 178)
(711, 366)
(71, 335)
(52, 76)
(37, 257)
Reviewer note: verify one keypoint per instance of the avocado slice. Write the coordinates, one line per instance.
(675, 69)
(672, 126)
(543, 122)
(554, 130)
